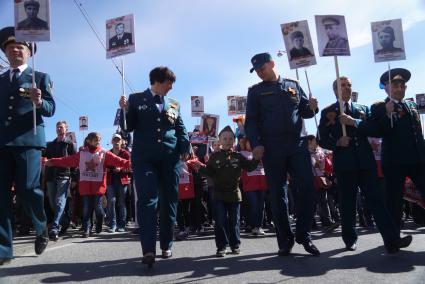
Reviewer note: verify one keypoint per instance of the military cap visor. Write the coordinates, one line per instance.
(259, 60)
(7, 35)
(397, 74)
(330, 21)
(32, 3)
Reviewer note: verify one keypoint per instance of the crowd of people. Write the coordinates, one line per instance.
(264, 177)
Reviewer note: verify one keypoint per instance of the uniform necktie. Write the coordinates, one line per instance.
(347, 108)
(15, 74)
(157, 99)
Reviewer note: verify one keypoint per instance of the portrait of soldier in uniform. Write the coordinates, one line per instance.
(121, 38)
(337, 42)
(297, 39)
(386, 40)
(32, 21)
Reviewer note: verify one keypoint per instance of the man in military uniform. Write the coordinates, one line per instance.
(337, 45)
(120, 38)
(275, 109)
(32, 21)
(160, 142)
(20, 149)
(386, 39)
(403, 146)
(355, 166)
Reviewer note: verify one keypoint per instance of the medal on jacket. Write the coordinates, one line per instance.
(171, 114)
(24, 92)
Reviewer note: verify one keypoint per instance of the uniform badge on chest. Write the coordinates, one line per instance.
(143, 107)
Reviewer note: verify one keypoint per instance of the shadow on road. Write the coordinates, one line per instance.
(206, 267)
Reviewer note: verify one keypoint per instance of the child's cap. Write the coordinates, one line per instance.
(227, 129)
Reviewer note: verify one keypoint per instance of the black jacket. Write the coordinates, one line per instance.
(57, 149)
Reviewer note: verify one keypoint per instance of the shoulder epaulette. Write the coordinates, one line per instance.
(293, 80)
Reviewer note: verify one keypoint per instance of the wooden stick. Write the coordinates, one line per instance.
(341, 105)
(391, 96)
(123, 91)
(34, 108)
(310, 95)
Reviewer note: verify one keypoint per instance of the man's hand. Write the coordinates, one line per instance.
(258, 152)
(35, 95)
(389, 107)
(123, 103)
(48, 163)
(184, 157)
(343, 141)
(117, 170)
(312, 102)
(347, 120)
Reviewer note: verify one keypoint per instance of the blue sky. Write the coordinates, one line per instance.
(208, 44)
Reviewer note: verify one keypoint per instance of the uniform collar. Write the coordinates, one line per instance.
(21, 68)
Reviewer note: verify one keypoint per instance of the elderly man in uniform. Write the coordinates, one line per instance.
(121, 38)
(355, 166)
(20, 149)
(337, 45)
(275, 109)
(403, 145)
(32, 21)
(160, 143)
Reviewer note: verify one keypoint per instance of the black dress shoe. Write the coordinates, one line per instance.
(405, 241)
(41, 242)
(148, 259)
(4, 261)
(286, 249)
(311, 248)
(352, 247)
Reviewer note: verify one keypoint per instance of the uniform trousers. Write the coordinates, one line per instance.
(395, 178)
(20, 166)
(279, 160)
(156, 179)
(367, 180)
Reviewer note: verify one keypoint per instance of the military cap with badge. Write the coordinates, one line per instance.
(7, 36)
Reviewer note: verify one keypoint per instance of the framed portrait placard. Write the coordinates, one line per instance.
(209, 124)
(236, 105)
(332, 35)
(120, 36)
(387, 40)
(420, 102)
(197, 105)
(298, 44)
(32, 20)
(84, 123)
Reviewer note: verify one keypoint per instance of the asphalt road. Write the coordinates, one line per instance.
(116, 258)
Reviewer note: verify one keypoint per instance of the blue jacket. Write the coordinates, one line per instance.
(358, 155)
(16, 111)
(155, 133)
(275, 111)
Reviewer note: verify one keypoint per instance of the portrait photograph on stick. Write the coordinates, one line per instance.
(297, 39)
(387, 40)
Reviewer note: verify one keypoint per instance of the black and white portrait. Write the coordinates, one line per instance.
(297, 39)
(32, 20)
(197, 104)
(120, 36)
(387, 40)
(332, 35)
